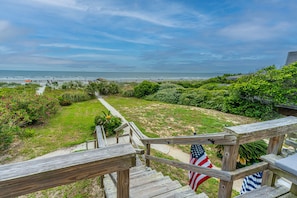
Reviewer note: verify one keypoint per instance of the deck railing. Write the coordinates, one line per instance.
(33, 175)
(274, 130)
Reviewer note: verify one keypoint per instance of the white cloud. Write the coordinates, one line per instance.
(64, 45)
(7, 31)
(254, 31)
(5, 50)
(71, 4)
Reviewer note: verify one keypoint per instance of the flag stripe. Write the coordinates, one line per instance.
(198, 158)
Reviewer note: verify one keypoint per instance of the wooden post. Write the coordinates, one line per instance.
(293, 189)
(123, 184)
(101, 182)
(131, 134)
(228, 164)
(148, 152)
(274, 147)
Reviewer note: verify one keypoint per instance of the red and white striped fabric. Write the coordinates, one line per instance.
(199, 158)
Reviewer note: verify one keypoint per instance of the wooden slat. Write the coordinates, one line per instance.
(291, 143)
(217, 138)
(271, 158)
(266, 191)
(155, 188)
(121, 127)
(100, 137)
(223, 175)
(248, 170)
(262, 130)
(136, 130)
(288, 195)
(33, 175)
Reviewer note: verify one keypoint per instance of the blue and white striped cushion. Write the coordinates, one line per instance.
(251, 182)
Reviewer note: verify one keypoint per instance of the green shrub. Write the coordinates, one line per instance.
(169, 86)
(109, 122)
(128, 93)
(6, 137)
(170, 95)
(145, 88)
(72, 85)
(103, 88)
(251, 108)
(211, 99)
(73, 96)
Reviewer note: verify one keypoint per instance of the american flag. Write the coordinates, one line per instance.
(198, 158)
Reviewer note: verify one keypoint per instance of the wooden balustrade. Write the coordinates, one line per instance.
(38, 174)
(274, 130)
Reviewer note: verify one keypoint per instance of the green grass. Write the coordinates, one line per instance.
(72, 125)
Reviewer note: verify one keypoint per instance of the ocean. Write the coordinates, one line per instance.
(41, 76)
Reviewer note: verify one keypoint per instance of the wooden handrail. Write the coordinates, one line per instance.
(223, 175)
(34, 175)
(219, 174)
(275, 130)
(262, 130)
(215, 138)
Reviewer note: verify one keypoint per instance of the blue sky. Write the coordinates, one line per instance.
(225, 36)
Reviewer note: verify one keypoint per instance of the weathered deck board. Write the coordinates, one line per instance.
(261, 130)
(266, 191)
(100, 136)
(217, 138)
(33, 175)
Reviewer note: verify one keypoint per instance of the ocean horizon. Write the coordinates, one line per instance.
(41, 76)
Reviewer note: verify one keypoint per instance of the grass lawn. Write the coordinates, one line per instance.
(71, 126)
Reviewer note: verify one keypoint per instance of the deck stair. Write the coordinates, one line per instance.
(146, 182)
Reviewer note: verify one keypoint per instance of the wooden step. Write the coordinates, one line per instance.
(155, 188)
(183, 192)
(146, 183)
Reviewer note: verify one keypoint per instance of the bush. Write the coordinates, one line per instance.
(251, 108)
(6, 136)
(103, 88)
(25, 109)
(170, 95)
(169, 86)
(145, 88)
(204, 98)
(68, 98)
(128, 93)
(109, 122)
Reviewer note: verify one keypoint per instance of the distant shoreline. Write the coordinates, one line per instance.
(44, 76)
